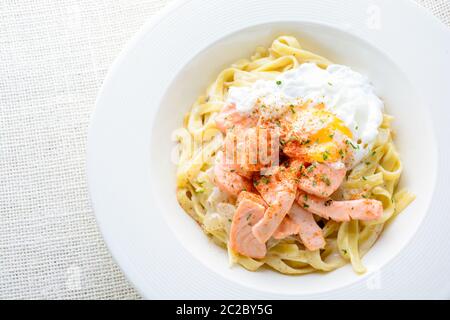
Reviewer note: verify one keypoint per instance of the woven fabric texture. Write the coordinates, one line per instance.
(54, 56)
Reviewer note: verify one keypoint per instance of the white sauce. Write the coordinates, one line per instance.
(344, 92)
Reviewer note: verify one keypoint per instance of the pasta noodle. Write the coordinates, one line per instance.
(375, 177)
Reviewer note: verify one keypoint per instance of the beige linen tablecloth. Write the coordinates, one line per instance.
(54, 56)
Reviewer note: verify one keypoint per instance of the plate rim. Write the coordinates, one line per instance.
(119, 256)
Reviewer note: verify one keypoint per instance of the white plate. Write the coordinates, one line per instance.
(406, 54)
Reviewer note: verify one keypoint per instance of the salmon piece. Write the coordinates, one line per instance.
(229, 160)
(287, 228)
(277, 179)
(229, 117)
(242, 239)
(310, 233)
(242, 172)
(253, 197)
(231, 156)
(278, 190)
(300, 221)
(273, 217)
(228, 181)
(321, 179)
(360, 209)
(296, 149)
(249, 150)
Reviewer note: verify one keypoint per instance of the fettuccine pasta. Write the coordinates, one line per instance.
(373, 176)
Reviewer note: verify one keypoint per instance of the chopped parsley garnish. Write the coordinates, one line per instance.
(305, 206)
(306, 142)
(265, 180)
(249, 216)
(279, 83)
(292, 108)
(364, 178)
(325, 179)
(341, 152)
(200, 190)
(367, 163)
(374, 153)
(350, 143)
(344, 251)
(330, 84)
(331, 136)
(325, 155)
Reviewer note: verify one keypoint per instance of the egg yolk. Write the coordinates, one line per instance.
(330, 124)
(326, 133)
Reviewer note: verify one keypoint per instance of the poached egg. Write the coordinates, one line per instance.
(348, 100)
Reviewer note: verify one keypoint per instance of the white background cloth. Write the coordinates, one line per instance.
(54, 55)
